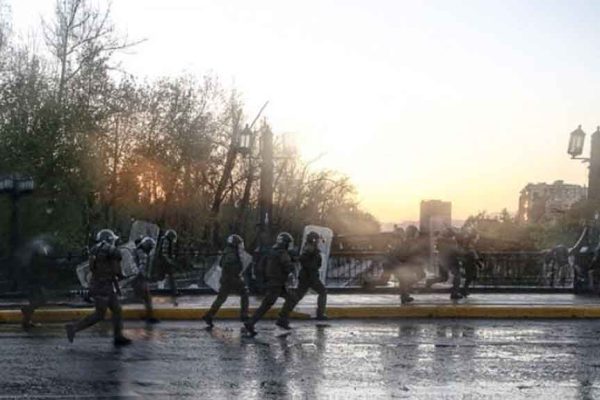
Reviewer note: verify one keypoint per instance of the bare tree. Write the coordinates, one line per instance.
(80, 34)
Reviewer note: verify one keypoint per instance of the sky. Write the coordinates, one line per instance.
(465, 101)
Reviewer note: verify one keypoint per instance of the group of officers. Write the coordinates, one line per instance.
(406, 260)
(106, 273)
(457, 257)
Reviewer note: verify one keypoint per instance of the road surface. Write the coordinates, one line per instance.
(378, 359)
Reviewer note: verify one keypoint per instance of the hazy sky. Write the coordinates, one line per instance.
(465, 101)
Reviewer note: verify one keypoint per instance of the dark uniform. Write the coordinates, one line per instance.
(309, 278)
(105, 266)
(279, 266)
(140, 287)
(231, 282)
(450, 255)
(471, 262)
(406, 262)
(165, 263)
(35, 266)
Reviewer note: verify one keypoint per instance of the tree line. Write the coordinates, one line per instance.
(106, 147)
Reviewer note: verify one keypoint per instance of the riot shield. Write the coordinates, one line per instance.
(324, 246)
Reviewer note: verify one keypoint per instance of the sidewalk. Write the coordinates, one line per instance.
(346, 306)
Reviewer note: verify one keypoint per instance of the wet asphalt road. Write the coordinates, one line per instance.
(463, 359)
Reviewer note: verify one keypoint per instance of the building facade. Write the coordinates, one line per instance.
(539, 201)
(436, 215)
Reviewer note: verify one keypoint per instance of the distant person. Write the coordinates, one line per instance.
(309, 278)
(449, 263)
(406, 262)
(279, 266)
(256, 273)
(471, 261)
(166, 261)
(105, 266)
(232, 280)
(34, 260)
(141, 288)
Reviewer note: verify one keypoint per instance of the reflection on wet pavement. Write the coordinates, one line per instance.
(337, 360)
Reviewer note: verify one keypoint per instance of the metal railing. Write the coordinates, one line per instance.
(365, 270)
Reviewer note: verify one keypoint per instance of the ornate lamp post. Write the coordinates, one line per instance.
(16, 186)
(575, 149)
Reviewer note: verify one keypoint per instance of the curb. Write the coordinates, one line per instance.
(359, 312)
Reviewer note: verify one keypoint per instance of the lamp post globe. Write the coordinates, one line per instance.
(576, 141)
(245, 140)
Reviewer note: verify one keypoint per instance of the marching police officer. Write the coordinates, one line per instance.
(450, 261)
(279, 266)
(105, 266)
(165, 260)
(139, 284)
(34, 262)
(231, 279)
(470, 260)
(308, 278)
(406, 260)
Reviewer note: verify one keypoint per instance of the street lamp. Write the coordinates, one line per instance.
(575, 149)
(245, 141)
(15, 185)
(576, 142)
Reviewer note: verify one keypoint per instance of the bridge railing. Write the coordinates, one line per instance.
(498, 269)
(362, 269)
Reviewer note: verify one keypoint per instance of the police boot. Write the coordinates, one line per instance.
(209, 321)
(283, 323)
(455, 296)
(121, 341)
(70, 328)
(322, 317)
(26, 322)
(249, 326)
(405, 299)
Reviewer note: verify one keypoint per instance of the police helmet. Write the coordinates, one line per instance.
(146, 244)
(312, 237)
(235, 241)
(107, 236)
(284, 240)
(171, 235)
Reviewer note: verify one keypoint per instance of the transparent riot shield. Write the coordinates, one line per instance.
(324, 245)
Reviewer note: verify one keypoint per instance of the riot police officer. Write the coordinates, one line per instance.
(165, 260)
(139, 284)
(35, 262)
(470, 260)
(231, 279)
(450, 261)
(105, 266)
(278, 268)
(406, 260)
(308, 278)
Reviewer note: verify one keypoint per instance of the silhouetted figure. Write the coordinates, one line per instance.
(105, 266)
(309, 278)
(279, 266)
(165, 261)
(34, 260)
(232, 280)
(140, 286)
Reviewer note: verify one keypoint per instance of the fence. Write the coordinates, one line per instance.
(363, 270)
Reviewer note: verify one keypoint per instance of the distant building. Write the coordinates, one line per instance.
(545, 201)
(436, 215)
